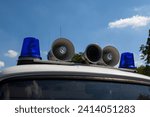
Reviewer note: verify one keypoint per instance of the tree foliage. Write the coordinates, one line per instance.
(144, 70)
(78, 58)
(145, 50)
(145, 55)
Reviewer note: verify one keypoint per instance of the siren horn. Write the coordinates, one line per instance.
(62, 49)
(110, 56)
(93, 53)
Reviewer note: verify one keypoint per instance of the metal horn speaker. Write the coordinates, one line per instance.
(93, 53)
(62, 49)
(110, 56)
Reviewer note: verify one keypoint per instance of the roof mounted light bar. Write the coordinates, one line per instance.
(62, 52)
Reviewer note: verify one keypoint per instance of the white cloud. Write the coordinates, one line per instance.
(134, 22)
(2, 64)
(11, 54)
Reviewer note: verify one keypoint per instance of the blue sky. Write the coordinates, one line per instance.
(123, 24)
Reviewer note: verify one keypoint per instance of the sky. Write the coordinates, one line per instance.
(123, 24)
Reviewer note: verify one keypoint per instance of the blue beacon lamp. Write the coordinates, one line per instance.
(127, 61)
(30, 49)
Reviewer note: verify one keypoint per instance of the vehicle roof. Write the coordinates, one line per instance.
(79, 69)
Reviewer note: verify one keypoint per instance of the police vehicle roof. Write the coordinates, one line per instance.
(69, 69)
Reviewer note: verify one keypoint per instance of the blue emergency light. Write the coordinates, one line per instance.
(127, 61)
(30, 48)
